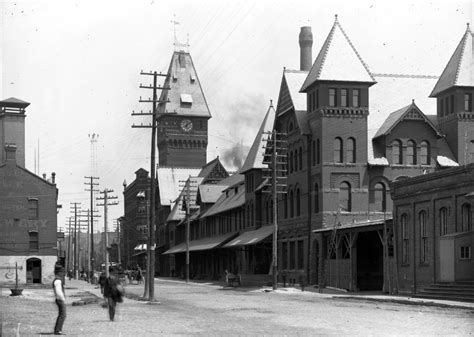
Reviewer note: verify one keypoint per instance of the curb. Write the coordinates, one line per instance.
(402, 301)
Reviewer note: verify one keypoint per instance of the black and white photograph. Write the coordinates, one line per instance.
(236, 168)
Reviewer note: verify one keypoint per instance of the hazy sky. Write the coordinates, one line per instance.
(78, 64)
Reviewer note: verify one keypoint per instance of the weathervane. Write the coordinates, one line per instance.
(177, 45)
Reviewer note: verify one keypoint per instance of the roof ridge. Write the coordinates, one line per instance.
(463, 47)
(326, 46)
(355, 50)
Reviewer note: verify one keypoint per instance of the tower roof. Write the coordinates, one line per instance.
(185, 96)
(460, 69)
(13, 102)
(255, 156)
(338, 60)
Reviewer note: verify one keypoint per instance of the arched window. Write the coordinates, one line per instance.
(423, 237)
(295, 158)
(351, 150)
(380, 199)
(318, 152)
(443, 221)
(292, 205)
(316, 198)
(300, 158)
(405, 239)
(338, 150)
(290, 160)
(466, 217)
(411, 152)
(397, 152)
(298, 202)
(424, 153)
(345, 196)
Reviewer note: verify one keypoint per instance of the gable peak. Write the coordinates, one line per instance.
(338, 60)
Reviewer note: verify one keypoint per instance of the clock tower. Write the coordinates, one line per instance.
(183, 115)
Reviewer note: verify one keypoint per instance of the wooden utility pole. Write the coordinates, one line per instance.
(69, 260)
(107, 203)
(275, 157)
(151, 227)
(76, 240)
(91, 189)
(187, 200)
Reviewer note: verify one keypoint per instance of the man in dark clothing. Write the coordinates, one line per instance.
(58, 287)
(102, 279)
(112, 292)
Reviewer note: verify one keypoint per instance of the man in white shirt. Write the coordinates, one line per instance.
(58, 287)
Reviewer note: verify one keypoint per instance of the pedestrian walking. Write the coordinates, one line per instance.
(139, 275)
(58, 287)
(102, 279)
(113, 292)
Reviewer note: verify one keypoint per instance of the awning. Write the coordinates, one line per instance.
(202, 244)
(140, 247)
(351, 225)
(251, 237)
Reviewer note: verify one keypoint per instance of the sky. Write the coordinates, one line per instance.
(78, 63)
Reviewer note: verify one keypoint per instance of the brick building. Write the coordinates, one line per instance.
(28, 206)
(433, 215)
(350, 132)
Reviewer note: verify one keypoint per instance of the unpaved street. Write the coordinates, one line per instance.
(207, 309)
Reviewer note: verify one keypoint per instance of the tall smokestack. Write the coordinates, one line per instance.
(306, 44)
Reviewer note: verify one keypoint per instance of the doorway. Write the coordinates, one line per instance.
(33, 270)
(369, 261)
(315, 272)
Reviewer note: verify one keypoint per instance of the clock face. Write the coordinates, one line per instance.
(186, 125)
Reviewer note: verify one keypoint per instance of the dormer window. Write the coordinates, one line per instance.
(186, 99)
(468, 102)
(332, 97)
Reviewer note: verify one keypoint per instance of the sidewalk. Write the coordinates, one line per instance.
(338, 294)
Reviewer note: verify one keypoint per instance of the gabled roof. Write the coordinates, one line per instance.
(391, 92)
(255, 156)
(290, 95)
(209, 193)
(169, 178)
(213, 171)
(460, 69)
(228, 200)
(185, 96)
(178, 210)
(338, 60)
(410, 111)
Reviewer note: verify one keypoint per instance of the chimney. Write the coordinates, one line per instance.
(10, 153)
(306, 44)
(53, 177)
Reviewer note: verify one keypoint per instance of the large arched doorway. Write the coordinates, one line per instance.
(33, 270)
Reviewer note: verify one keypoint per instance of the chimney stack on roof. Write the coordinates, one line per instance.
(306, 45)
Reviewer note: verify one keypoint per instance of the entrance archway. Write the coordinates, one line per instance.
(33, 270)
(369, 261)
